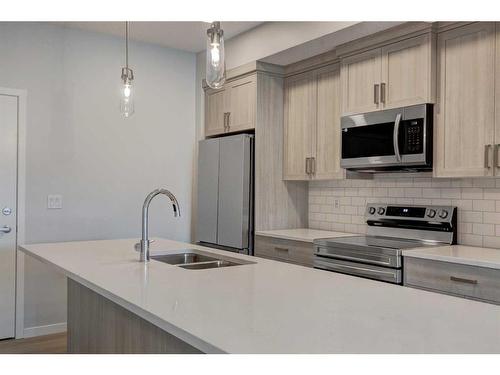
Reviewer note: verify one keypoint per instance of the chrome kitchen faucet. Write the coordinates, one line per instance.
(143, 246)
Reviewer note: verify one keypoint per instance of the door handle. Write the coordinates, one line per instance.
(462, 280)
(313, 165)
(487, 149)
(225, 121)
(495, 156)
(308, 169)
(5, 229)
(228, 120)
(375, 93)
(395, 137)
(382, 93)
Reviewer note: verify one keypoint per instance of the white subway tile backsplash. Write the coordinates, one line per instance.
(431, 193)
(491, 217)
(477, 200)
(472, 193)
(485, 205)
(492, 193)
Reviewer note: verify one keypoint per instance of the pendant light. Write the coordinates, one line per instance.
(216, 64)
(126, 91)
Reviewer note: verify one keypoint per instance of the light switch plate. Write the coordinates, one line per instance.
(54, 201)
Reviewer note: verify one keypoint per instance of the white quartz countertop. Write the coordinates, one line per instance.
(469, 255)
(302, 234)
(274, 307)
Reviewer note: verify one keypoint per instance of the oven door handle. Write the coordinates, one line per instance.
(321, 253)
(395, 137)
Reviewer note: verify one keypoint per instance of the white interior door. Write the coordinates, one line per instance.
(8, 229)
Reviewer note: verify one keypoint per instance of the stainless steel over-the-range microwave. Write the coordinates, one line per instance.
(388, 141)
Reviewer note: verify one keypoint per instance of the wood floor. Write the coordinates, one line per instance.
(50, 344)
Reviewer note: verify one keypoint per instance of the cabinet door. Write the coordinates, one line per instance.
(360, 77)
(407, 69)
(466, 96)
(497, 101)
(300, 113)
(241, 100)
(214, 111)
(326, 133)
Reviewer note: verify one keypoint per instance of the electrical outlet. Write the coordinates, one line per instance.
(54, 201)
(336, 203)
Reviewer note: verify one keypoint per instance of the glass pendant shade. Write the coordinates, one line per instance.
(127, 98)
(127, 108)
(216, 64)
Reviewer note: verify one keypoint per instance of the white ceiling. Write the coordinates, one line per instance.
(187, 36)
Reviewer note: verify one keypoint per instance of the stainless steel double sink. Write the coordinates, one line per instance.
(193, 259)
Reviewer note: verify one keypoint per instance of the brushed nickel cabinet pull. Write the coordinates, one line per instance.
(382, 93)
(225, 121)
(307, 165)
(313, 165)
(375, 93)
(281, 249)
(228, 120)
(462, 280)
(487, 149)
(495, 156)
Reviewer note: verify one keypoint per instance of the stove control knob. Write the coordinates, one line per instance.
(443, 214)
(381, 210)
(371, 210)
(431, 213)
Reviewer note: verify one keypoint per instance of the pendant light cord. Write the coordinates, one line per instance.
(126, 43)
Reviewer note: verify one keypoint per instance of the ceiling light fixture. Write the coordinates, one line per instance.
(127, 94)
(216, 64)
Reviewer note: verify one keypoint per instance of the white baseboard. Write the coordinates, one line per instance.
(44, 330)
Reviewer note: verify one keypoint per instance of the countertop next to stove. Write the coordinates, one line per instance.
(469, 255)
(302, 234)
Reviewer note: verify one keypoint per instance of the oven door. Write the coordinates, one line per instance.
(386, 139)
(369, 271)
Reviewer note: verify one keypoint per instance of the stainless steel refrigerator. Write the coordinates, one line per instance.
(225, 193)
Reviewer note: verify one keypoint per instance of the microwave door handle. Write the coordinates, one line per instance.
(395, 137)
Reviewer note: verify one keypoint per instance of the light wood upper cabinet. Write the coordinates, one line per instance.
(241, 100)
(406, 72)
(395, 75)
(326, 134)
(300, 117)
(312, 125)
(214, 111)
(232, 108)
(465, 128)
(360, 76)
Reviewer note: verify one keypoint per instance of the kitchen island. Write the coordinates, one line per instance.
(267, 306)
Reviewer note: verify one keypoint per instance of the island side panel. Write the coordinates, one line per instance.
(97, 325)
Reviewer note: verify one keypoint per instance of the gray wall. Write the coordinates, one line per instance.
(79, 146)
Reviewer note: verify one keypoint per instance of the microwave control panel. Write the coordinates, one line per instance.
(413, 133)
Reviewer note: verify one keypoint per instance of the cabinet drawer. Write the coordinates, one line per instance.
(285, 250)
(473, 282)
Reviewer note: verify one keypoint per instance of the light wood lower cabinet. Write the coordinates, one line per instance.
(296, 252)
(461, 280)
(312, 125)
(97, 325)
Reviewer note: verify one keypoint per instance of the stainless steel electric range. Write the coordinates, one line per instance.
(391, 229)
